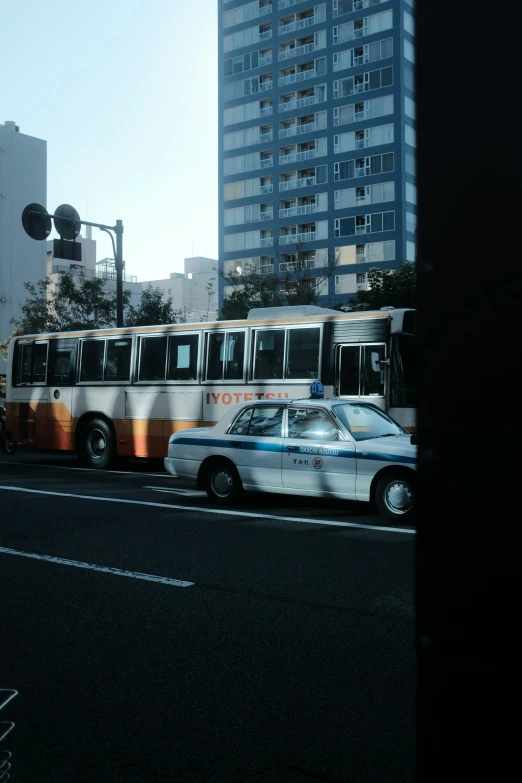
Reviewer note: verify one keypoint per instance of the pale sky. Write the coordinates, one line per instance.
(125, 94)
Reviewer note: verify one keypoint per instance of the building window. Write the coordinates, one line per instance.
(410, 251)
(411, 222)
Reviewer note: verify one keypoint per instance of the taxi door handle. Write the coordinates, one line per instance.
(292, 448)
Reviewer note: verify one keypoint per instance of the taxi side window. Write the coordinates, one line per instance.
(261, 422)
(266, 422)
(240, 426)
(311, 424)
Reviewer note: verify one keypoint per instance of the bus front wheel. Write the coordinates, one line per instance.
(96, 444)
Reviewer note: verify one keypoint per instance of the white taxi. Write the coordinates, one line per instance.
(311, 447)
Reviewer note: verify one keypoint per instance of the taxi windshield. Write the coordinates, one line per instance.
(364, 421)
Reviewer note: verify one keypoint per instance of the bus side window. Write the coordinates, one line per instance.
(118, 360)
(225, 356)
(26, 359)
(91, 365)
(183, 357)
(269, 353)
(215, 356)
(153, 357)
(39, 373)
(61, 361)
(302, 358)
(235, 355)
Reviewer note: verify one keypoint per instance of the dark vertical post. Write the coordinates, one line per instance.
(118, 230)
(469, 326)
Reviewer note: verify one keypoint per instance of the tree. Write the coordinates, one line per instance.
(152, 309)
(210, 289)
(296, 284)
(77, 302)
(388, 288)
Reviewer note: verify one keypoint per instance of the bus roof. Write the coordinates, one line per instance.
(283, 315)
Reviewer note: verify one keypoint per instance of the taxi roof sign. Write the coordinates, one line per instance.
(316, 390)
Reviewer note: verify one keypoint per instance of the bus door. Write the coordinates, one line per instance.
(360, 371)
(61, 379)
(31, 395)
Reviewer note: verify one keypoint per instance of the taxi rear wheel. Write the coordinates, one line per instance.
(395, 496)
(222, 482)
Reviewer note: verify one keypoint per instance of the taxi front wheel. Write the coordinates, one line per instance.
(395, 496)
(222, 482)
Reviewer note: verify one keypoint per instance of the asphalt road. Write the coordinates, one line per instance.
(166, 642)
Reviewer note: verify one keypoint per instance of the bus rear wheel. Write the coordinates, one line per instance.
(96, 446)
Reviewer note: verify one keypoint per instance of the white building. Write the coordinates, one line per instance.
(23, 180)
(195, 292)
(91, 267)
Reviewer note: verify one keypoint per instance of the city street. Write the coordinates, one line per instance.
(153, 636)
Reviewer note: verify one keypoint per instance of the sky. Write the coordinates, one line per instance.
(125, 94)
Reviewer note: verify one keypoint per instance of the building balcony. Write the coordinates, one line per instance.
(295, 239)
(362, 229)
(265, 60)
(266, 242)
(364, 172)
(300, 103)
(361, 200)
(265, 36)
(267, 9)
(266, 163)
(361, 115)
(300, 76)
(296, 52)
(304, 209)
(266, 111)
(266, 189)
(300, 24)
(295, 157)
(288, 3)
(369, 258)
(361, 143)
(265, 137)
(266, 85)
(298, 130)
(261, 216)
(289, 266)
(291, 184)
(266, 269)
(102, 274)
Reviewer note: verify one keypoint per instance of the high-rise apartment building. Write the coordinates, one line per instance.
(317, 137)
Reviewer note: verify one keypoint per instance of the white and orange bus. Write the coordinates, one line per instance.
(123, 392)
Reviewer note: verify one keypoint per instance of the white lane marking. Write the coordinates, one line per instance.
(90, 470)
(225, 512)
(164, 580)
(189, 493)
